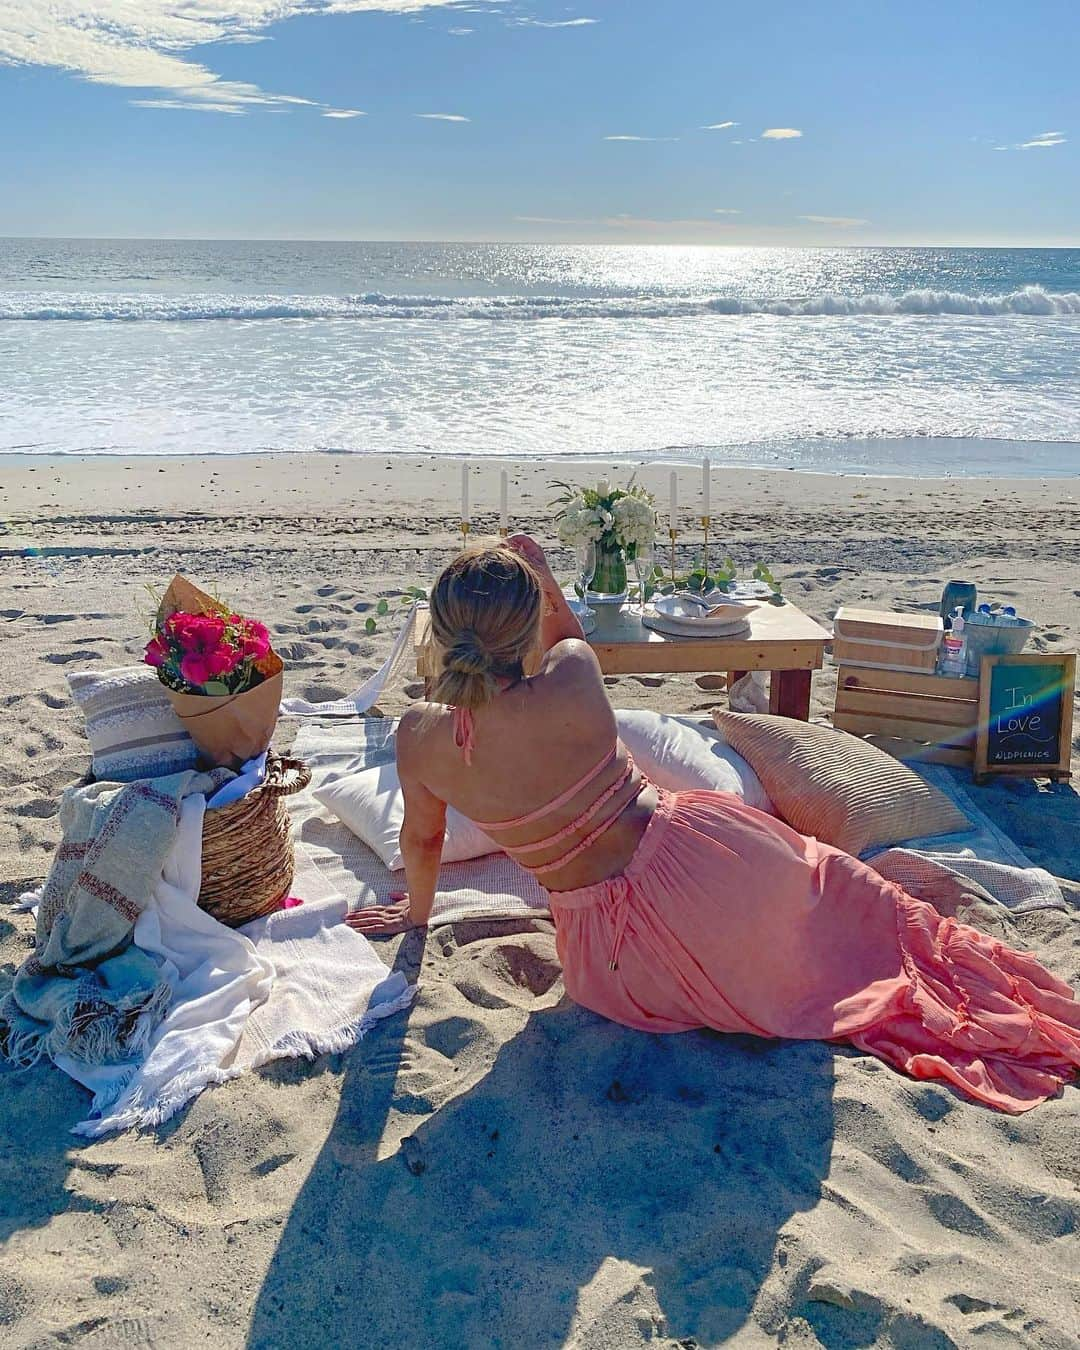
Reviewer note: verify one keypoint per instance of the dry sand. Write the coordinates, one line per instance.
(502, 1169)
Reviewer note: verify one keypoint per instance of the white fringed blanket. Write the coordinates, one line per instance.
(298, 983)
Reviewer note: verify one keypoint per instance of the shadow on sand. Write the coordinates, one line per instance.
(671, 1161)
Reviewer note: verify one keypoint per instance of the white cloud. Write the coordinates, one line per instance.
(442, 117)
(841, 222)
(1045, 140)
(555, 23)
(624, 222)
(142, 44)
(460, 32)
(781, 134)
(344, 112)
(641, 138)
(719, 126)
(726, 211)
(235, 109)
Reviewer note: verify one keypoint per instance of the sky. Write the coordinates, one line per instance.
(660, 121)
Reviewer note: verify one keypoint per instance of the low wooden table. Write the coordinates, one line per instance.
(782, 639)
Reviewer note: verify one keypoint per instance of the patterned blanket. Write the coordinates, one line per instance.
(86, 990)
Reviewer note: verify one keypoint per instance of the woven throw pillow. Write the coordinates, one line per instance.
(833, 786)
(132, 729)
(680, 754)
(370, 804)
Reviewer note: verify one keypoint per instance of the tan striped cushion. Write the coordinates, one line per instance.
(130, 724)
(833, 786)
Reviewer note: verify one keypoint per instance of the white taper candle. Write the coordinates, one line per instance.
(465, 491)
(706, 469)
(504, 500)
(674, 485)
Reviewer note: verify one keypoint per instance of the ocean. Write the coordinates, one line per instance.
(929, 361)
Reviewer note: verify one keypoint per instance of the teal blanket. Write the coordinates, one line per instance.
(86, 990)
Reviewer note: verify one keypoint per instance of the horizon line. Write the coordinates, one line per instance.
(571, 242)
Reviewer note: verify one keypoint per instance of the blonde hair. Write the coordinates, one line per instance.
(485, 623)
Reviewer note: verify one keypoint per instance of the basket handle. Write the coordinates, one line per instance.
(285, 776)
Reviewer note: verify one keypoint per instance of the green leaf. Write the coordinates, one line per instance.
(216, 687)
(383, 607)
(370, 625)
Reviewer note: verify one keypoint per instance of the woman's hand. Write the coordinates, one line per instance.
(531, 551)
(383, 920)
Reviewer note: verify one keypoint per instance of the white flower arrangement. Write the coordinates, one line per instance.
(611, 517)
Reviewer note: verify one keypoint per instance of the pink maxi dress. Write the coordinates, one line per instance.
(726, 917)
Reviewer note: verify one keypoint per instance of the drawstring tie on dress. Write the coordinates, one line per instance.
(620, 909)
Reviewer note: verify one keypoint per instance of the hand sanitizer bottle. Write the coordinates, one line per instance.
(953, 660)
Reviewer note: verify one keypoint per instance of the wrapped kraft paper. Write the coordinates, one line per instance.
(229, 729)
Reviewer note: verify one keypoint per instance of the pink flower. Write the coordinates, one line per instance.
(157, 651)
(195, 632)
(255, 640)
(195, 670)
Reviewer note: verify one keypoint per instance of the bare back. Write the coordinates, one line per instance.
(531, 743)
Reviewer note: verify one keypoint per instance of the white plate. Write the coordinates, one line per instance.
(689, 614)
(662, 623)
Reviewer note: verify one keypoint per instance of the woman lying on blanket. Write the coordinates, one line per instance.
(690, 909)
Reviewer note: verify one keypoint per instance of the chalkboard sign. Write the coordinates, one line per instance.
(1025, 716)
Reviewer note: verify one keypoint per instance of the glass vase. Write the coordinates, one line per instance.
(610, 575)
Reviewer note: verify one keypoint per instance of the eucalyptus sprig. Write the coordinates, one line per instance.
(699, 581)
(409, 596)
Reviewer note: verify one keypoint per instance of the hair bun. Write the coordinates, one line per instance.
(468, 655)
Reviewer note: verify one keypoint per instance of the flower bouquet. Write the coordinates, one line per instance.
(620, 521)
(222, 675)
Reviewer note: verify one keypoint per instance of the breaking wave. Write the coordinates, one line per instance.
(1028, 301)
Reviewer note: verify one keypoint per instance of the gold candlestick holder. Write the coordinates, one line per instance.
(673, 534)
(706, 523)
(504, 532)
(465, 527)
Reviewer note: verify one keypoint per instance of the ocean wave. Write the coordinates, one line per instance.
(1028, 301)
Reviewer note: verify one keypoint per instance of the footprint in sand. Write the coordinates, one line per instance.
(322, 693)
(66, 658)
(295, 651)
(40, 808)
(516, 972)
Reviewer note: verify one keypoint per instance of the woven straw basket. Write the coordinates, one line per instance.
(247, 862)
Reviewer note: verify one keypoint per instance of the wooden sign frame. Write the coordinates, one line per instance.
(1061, 770)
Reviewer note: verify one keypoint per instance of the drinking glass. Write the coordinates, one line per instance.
(643, 569)
(585, 553)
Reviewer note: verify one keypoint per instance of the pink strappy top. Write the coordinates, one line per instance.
(464, 739)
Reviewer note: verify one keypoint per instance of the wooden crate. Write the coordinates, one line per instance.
(883, 641)
(911, 715)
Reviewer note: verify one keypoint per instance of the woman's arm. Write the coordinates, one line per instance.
(559, 622)
(421, 841)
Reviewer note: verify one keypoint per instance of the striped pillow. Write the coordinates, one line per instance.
(130, 724)
(836, 787)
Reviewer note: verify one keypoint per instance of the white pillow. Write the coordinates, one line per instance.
(370, 804)
(680, 754)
